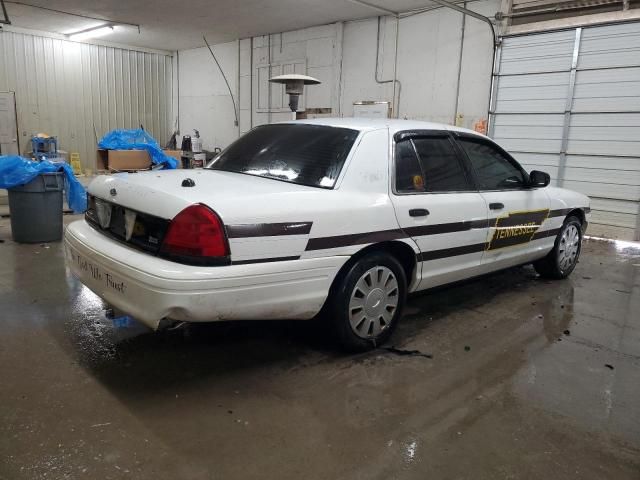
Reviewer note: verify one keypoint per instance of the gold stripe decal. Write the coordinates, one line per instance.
(515, 228)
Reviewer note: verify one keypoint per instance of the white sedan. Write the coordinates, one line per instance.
(339, 216)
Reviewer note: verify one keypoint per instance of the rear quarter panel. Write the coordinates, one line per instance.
(360, 211)
(340, 220)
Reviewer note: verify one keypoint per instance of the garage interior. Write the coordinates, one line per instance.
(505, 376)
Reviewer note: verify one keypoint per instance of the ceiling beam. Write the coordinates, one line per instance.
(375, 7)
(6, 20)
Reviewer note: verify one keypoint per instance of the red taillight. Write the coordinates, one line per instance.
(195, 233)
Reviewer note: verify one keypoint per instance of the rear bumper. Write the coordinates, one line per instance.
(150, 289)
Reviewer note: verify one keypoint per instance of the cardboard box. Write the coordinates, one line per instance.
(177, 154)
(116, 160)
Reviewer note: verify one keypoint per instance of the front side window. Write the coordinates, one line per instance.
(310, 155)
(428, 164)
(494, 170)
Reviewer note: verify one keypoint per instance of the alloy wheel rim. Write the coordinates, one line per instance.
(374, 302)
(569, 247)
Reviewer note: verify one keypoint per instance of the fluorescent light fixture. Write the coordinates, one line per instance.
(94, 32)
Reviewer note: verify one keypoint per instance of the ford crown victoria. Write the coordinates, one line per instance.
(339, 217)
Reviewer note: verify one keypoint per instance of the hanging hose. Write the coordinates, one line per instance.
(235, 111)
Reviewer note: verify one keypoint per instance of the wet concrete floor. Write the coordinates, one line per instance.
(529, 379)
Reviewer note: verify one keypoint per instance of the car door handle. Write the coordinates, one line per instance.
(418, 212)
(496, 206)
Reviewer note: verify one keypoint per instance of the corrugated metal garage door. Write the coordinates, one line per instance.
(568, 102)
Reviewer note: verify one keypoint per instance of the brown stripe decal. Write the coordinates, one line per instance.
(515, 228)
(451, 252)
(546, 233)
(475, 248)
(268, 229)
(418, 231)
(354, 239)
(264, 260)
(445, 228)
(386, 235)
(562, 212)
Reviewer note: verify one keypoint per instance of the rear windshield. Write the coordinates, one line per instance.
(298, 153)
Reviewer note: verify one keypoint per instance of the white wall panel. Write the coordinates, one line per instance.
(534, 93)
(610, 46)
(616, 206)
(601, 175)
(66, 88)
(343, 57)
(547, 52)
(602, 129)
(605, 190)
(204, 98)
(531, 134)
(608, 90)
(630, 164)
(551, 146)
(537, 159)
(613, 219)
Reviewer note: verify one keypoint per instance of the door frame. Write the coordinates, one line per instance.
(526, 188)
(15, 113)
(432, 133)
(460, 226)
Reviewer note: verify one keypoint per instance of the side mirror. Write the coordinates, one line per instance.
(539, 179)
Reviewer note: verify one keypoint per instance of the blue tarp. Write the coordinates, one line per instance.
(137, 140)
(16, 171)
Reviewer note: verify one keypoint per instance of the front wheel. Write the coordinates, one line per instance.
(561, 261)
(368, 301)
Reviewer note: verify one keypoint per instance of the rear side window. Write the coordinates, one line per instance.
(442, 167)
(305, 154)
(428, 164)
(494, 170)
(409, 176)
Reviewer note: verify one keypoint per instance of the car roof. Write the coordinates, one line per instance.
(394, 125)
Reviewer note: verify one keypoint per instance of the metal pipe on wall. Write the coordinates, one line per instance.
(471, 13)
(487, 20)
(462, 31)
(238, 89)
(178, 90)
(395, 72)
(395, 80)
(496, 42)
(251, 83)
(269, 85)
(224, 77)
(444, 3)
(339, 44)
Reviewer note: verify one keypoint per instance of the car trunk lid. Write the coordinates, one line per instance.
(137, 209)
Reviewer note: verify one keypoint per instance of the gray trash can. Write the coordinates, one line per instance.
(36, 209)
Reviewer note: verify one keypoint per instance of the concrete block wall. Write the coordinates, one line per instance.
(431, 55)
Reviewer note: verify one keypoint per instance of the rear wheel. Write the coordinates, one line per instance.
(561, 261)
(368, 301)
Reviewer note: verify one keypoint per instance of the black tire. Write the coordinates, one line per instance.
(340, 313)
(552, 265)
